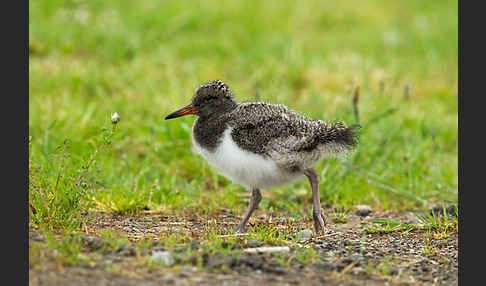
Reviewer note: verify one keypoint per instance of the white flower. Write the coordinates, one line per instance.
(115, 118)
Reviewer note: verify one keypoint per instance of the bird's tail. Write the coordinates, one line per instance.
(346, 137)
(349, 136)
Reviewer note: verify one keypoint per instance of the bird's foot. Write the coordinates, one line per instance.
(241, 229)
(319, 220)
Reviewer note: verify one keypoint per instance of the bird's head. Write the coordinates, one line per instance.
(210, 98)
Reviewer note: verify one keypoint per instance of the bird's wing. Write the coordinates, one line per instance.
(272, 129)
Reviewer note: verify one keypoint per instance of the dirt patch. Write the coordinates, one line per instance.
(356, 252)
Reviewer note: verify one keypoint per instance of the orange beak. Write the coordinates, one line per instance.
(186, 110)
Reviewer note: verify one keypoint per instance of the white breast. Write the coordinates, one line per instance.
(246, 168)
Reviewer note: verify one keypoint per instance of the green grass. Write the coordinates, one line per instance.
(144, 59)
(440, 224)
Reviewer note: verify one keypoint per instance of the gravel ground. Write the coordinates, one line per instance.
(349, 254)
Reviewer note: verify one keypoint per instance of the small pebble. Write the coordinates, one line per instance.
(94, 243)
(125, 250)
(363, 210)
(35, 236)
(163, 257)
(305, 235)
(254, 243)
(267, 249)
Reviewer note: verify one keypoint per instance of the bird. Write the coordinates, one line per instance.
(263, 145)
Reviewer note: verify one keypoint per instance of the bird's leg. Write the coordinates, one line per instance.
(318, 215)
(256, 197)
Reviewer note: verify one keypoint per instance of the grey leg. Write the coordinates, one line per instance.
(319, 218)
(256, 197)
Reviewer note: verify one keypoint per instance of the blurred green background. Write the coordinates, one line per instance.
(144, 59)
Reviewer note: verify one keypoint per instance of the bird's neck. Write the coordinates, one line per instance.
(208, 130)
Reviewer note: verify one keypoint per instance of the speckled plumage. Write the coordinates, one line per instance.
(273, 131)
(287, 137)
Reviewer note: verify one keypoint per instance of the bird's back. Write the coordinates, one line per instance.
(287, 137)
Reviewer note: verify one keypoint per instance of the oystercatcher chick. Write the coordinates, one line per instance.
(262, 145)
